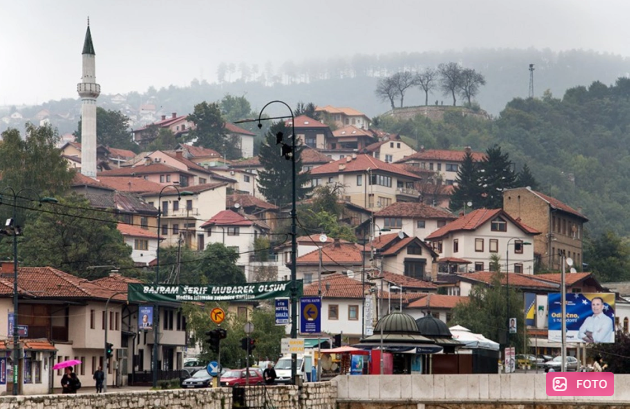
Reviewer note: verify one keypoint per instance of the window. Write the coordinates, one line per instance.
(333, 312)
(381, 180)
(370, 200)
(414, 268)
(439, 166)
(308, 278)
(94, 362)
(498, 224)
(479, 245)
(111, 320)
(117, 321)
(168, 178)
(144, 222)
(242, 312)
(456, 246)
(359, 180)
(518, 246)
(164, 229)
(398, 145)
(353, 312)
(161, 178)
(494, 246)
(479, 266)
(389, 158)
(384, 201)
(175, 205)
(441, 223)
(420, 224)
(246, 178)
(518, 268)
(391, 144)
(392, 223)
(176, 229)
(331, 179)
(452, 167)
(103, 323)
(315, 182)
(202, 181)
(92, 319)
(233, 231)
(140, 244)
(414, 249)
(430, 165)
(310, 141)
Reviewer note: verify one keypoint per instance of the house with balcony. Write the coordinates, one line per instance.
(142, 240)
(482, 233)
(254, 206)
(367, 181)
(444, 162)
(237, 231)
(348, 140)
(201, 156)
(390, 149)
(178, 125)
(401, 254)
(413, 218)
(561, 226)
(344, 116)
(311, 132)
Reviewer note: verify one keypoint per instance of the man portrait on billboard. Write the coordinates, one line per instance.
(598, 327)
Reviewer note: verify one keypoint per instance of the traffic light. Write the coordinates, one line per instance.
(109, 350)
(287, 151)
(337, 341)
(245, 343)
(252, 344)
(214, 340)
(222, 333)
(279, 137)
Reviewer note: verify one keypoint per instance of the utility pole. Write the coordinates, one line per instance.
(531, 80)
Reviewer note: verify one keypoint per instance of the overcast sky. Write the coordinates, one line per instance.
(156, 42)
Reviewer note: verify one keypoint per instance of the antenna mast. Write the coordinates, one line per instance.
(531, 80)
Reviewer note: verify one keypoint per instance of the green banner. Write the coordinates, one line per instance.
(201, 293)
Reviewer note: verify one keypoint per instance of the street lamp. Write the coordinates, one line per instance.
(285, 150)
(565, 261)
(105, 349)
(12, 226)
(395, 287)
(156, 330)
(507, 282)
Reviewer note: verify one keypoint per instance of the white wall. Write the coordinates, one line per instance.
(343, 324)
(142, 256)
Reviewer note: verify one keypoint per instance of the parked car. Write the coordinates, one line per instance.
(238, 377)
(201, 379)
(572, 364)
(525, 359)
(185, 374)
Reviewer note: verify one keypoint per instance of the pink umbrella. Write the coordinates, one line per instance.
(65, 364)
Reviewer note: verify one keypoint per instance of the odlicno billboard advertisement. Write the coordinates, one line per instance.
(590, 317)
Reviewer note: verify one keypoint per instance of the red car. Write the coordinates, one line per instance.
(238, 377)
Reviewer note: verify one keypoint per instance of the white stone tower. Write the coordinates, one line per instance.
(88, 90)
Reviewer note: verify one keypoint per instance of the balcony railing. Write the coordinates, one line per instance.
(181, 212)
(407, 192)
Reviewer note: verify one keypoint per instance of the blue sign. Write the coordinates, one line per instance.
(213, 368)
(310, 315)
(590, 317)
(145, 318)
(22, 329)
(282, 311)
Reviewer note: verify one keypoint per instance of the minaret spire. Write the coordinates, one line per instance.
(88, 90)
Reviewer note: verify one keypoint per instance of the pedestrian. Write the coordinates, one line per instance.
(269, 374)
(69, 381)
(99, 376)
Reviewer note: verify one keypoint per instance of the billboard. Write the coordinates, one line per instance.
(590, 317)
(145, 318)
(530, 309)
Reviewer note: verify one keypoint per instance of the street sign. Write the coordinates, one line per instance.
(292, 346)
(213, 368)
(282, 311)
(217, 315)
(248, 328)
(310, 318)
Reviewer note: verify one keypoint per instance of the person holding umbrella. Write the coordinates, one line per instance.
(69, 381)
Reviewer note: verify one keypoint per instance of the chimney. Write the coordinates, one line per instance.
(468, 149)
(6, 268)
(348, 159)
(354, 156)
(174, 115)
(342, 167)
(421, 148)
(179, 153)
(163, 117)
(336, 243)
(147, 160)
(461, 214)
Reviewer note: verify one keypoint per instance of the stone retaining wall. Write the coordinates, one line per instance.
(320, 395)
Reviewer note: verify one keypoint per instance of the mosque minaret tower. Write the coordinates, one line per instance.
(88, 90)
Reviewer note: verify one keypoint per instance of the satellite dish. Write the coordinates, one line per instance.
(323, 238)
(237, 205)
(569, 261)
(573, 270)
(469, 204)
(401, 235)
(350, 274)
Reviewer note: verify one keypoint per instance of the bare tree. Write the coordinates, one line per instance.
(403, 81)
(450, 79)
(426, 81)
(470, 82)
(386, 90)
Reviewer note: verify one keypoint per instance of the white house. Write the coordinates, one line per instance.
(485, 232)
(413, 218)
(143, 241)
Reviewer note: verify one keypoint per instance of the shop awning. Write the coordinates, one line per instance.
(314, 343)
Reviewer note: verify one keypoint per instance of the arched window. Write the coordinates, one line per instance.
(625, 325)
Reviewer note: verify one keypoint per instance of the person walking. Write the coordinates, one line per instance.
(269, 374)
(99, 376)
(69, 381)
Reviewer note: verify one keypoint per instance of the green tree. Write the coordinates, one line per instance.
(526, 178)
(71, 236)
(467, 187)
(112, 130)
(235, 108)
(607, 257)
(450, 79)
(218, 266)
(496, 174)
(306, 109)
(274, 181)
(182, 259)
(615, 355)
(164, 140)
(209, 131)
(470, 82)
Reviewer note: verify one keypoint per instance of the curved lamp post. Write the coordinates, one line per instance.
(11, 226)
(156, 319)
(507, 283)
(105, 349)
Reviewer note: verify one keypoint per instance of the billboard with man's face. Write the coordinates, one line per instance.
(145, 318)
(590, 317)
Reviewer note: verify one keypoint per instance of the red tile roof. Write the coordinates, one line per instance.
(360, 164)
(570, 278)
(135, 231)
(383, 240)
(340, 286)
(414, 210)
(556, 204)
(438, 301)
(38, 345)
(516, 280)
(443, 155)
(245, 201)
(395, 248)
(347, 111)
(130, 184)
(350, 130)
(304, 121)
(198, 151)
(116, 282)
(453, 260)
(230, 127)
(253, 162)
(334, 254)
(407, 282)
(163, 122)
(122, 153)
(311, 156)
(231, 218)
(82, 180)
(142, 169)
(473, 220)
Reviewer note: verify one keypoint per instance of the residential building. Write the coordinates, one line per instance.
(367, 181)
(143, 241)
(561, 226)
(311, 158)
(390, 149)
(106, 157)
(178, 125)
(344, 116)
(348, 140)
(340, 257)
(413, 218)
(445, 162)
(240, 181)
(157, 172)
(311, 132)
(438, 306)
(485, 232)
(237, 231)
(403, 255)
(201, 156)
(254, 206)
(245, 139)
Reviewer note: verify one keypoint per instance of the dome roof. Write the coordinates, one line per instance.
(397, 323)
(433, 327)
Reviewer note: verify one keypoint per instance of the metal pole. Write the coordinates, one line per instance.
(507, 299)
(16, 334)
(564, 312)
(382, 364)
(105, 346)
(156, 312)
(319, 293)
(247, 361)
(293, 245)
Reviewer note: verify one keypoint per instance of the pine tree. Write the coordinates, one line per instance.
(210, 131)
(275, 180)
(467, 187)
(526, 178)
(497, 174)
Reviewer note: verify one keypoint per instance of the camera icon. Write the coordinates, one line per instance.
(559, 384)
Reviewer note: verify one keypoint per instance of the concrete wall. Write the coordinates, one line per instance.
(463, 388)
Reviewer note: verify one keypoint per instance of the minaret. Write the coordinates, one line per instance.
(88, 90)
